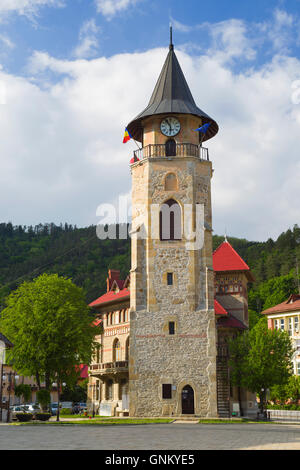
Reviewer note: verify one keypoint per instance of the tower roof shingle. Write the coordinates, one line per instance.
(171, 95)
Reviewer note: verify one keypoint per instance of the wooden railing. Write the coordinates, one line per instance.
(180, 150)
(109, 365)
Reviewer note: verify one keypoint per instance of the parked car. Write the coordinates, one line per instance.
(16, 409)
(53, 409)
(32, 408)
(79, 408)
(66, 404)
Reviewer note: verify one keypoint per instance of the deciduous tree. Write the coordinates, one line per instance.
(51, 328)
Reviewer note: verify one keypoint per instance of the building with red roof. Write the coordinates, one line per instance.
(109, 380)
(286, 316)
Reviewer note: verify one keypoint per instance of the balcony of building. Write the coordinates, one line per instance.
(109, 368)
(172, 149)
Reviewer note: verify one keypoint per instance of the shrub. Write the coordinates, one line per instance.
(65, 411)
(43, 416)
(291, 407)
(24, 417)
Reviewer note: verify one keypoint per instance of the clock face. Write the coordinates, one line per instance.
(170, 126)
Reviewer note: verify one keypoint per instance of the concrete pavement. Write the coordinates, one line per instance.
(152, 437)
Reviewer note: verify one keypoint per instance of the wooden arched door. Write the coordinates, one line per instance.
(170, 148)
(187, 400)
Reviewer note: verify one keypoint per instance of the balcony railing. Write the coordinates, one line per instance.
(179, 150)
(109, 366)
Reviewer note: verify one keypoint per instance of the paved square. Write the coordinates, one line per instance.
(152, 437)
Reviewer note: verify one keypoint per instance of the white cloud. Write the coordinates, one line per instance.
(110, 8)
(61, 151)
(6, 42)
(88, 41)
(26, 7)
(234, 38)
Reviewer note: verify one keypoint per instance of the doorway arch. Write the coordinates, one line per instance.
(170, 148)
(188, 400)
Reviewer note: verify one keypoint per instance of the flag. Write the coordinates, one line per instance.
(203, 128)
(127, 136)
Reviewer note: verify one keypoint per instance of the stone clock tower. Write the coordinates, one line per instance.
(172, 361)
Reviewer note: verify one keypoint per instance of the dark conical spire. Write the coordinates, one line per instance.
(171, 95)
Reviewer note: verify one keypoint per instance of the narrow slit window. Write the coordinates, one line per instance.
(170, 279)
(171, 328)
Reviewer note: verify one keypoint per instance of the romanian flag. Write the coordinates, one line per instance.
(127, 136)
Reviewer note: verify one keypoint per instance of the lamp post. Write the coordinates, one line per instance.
(58, 384)
(2, 356)
(11, 376)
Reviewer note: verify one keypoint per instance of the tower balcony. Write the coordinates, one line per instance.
(175, 150)
(109, 368)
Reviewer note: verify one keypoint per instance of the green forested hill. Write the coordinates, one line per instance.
(26, 252)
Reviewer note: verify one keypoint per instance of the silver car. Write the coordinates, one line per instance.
(13, 410)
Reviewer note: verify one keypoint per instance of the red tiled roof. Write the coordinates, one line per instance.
(290, 305)
(111, 296)
(231, 322)
(219, 310)
(225, 258)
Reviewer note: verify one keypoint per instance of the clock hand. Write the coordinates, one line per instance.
(170, 125)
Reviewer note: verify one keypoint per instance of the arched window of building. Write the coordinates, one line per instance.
(117, 351)
(171, 182)
(170, 221)
(126, 314)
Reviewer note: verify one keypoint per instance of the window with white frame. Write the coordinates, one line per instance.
(296, 324)
(298, 368)
(282, 324)
(290, 326)
(276, 324)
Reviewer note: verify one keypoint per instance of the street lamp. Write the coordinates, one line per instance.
(58, 392)
(11, 375)
(2, 357)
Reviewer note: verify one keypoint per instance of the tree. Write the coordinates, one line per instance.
(44, 398)
(78, 393)
(261, 358)
(51, 328)
(23, 390)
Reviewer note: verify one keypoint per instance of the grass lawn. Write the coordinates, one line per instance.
(105, 421)
(232, 421)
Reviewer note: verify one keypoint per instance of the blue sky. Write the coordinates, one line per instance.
(73, 73)
(137, 26)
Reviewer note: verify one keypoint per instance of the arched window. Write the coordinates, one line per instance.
(170, 148)
(171, 182)
(170, 221)
(117, 351)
